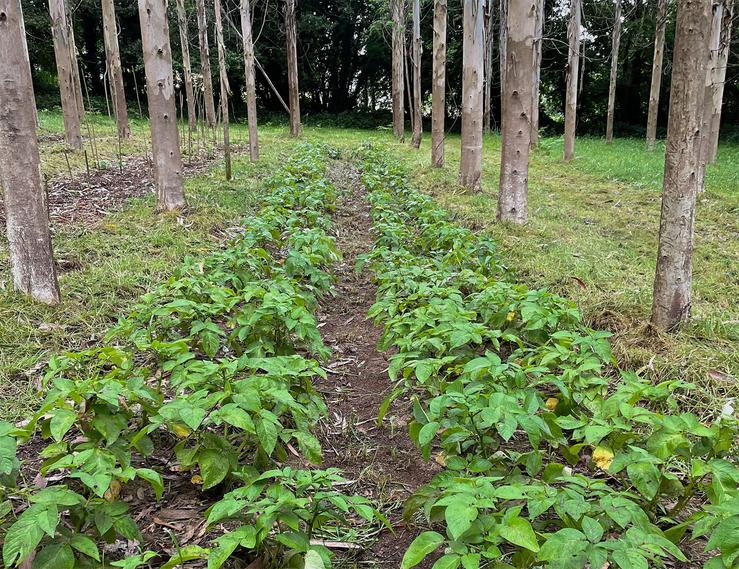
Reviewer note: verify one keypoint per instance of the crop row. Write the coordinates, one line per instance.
(554, 456)
(211, 376)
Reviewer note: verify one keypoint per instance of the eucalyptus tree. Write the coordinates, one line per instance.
(398, 57)
(210, 107)
(161, 97)
(615, 43)
(115, 71)
(438, 95)
(416, 60)
(225, 89)
(251, 89)
(65, 72)
(717, 97)
(470, 163)
(518, 107)
(573, 73)
(656, 83)
(26, 211)
(186, 65)
(292, 66)
(673, 277)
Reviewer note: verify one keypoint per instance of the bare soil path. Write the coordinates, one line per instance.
(383, 461)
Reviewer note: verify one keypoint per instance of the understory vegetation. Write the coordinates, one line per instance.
(554, 456)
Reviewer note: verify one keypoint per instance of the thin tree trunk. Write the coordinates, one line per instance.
(656, 85)
(438, 95)
(251, 87)
(470, 164)
(487, 113)
(292, 66)
(64, 63)
(26, 211)
(516, 122)
(225, 88)
(210, 107)
(714, 45)
(26, 57)
(186, 66)
(573, 65)
(398, 9)
(75, 56)
(165, 140)
(503, 45)
(538, 46)
(673, 277)
(718, 93)
(115, 72)
(615, 42)
(417, 109)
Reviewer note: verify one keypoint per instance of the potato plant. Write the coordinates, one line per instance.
(554, 456)
(216, 364)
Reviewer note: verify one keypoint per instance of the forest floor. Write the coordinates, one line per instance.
(592, 237)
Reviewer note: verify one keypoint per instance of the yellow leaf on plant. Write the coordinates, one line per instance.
(113, 491)
(511, 315)
(440, 458)
(603, 457)
(551, 403)
(180, 430)
(197, 479)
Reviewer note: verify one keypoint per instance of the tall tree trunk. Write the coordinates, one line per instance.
(251, 86)
(502, 46)
(573, 65)
(64, 67)
(438, 95)
(673, 277)
(398, 9)
(718, 92)
(115, 72)
(654, 89)
(487, 112)
(210, 107)
(225, 88)
(538, 45)
(714, 45)
(26, 211)
(417, 109)
(292, 66)
(516, 122)
(165, 140)
(470, 163)
(185, 44)
(75, 57)
(615, 42)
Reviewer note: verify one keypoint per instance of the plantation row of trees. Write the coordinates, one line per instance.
(699, 65)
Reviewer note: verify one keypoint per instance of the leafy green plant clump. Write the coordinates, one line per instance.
(212, 372)
(554, 457)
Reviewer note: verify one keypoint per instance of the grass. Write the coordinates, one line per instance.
(592, 237)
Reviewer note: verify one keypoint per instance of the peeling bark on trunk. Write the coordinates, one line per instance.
(165, 140)
(184, 43)
(714, 45)
(417, 109)
(115, 72)
(470, 164)
(615, 43)
(398, 9)
(225, 88)
(538, 43)
(75, 57)
(438, 96)
(656, 84)
(292, 66)
(673, 277)
(210, 107)
(718, 92)
(64, 66)
(487, 113)
(26, 211)
(516, 124)
(251, 87)
(573, 66)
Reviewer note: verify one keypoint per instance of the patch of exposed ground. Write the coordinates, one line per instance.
(382, 460)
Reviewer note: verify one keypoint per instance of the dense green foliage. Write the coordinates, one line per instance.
(216, 365)
(554, 457)
(344, 57)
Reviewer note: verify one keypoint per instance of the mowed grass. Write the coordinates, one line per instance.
(592, 236)
(116, 260)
